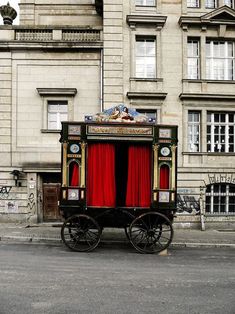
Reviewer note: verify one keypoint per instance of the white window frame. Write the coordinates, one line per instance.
(194, 131)
(56, 94)
(218, 145)
(193, 59)
(213, 62)
(145, 57)
(147, 3)
(211, 195)
(193, 3)
(211, 4)
(229, 3)
(60, 114)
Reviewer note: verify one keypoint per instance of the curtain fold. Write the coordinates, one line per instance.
(101, 187)
(138, 192)
(74, 170)
(164, 177)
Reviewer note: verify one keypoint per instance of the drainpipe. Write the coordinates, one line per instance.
(101, 81)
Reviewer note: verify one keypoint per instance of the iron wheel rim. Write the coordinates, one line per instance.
(151, 233)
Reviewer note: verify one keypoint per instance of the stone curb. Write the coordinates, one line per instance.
(25, 239)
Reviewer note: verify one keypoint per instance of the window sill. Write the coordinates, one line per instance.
(209, 81)
(208, 154)
(146, 79)
(50, 131)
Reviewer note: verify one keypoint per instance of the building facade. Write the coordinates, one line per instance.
(173, 60)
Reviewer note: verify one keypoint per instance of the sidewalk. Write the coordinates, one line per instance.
(50, 233)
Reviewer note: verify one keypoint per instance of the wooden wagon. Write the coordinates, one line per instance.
(118, 170)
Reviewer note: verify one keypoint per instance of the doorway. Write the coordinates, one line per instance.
(51, 193)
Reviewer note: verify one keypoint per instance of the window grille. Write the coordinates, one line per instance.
(220, 199)
(221, 132)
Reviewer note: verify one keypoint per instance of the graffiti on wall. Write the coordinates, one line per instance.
(4, 192)
(188, 204)
(31, 202)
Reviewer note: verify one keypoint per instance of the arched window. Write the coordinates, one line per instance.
(74, 173)
(164, 177)
(220, 198)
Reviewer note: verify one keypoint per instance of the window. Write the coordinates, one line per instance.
(193, 59)
(145, 58)
(57, 111)
(193, 3)
(211, 4)
(220, 132)
(148, 3)
(193, 131)
(151, 114)
(220, 198)
(229, 3)
(220, 60)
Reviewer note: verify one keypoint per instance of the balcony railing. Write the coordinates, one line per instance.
(33, 35)
(43, 35)
(81, 35)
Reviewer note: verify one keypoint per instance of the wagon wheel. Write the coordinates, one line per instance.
(81, 233)
(151, 232)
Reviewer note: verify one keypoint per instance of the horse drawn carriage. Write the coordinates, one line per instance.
(118, 170)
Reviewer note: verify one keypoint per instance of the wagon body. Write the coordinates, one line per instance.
(120, 175)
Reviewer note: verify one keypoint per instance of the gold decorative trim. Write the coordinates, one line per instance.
(173, 149)
(64, 169)
(155, 166)
(155, 196)
(83, 164)
(74, 155)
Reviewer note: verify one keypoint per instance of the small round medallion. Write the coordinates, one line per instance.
(74, 148)
(165, 151)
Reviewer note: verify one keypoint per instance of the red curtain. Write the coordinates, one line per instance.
(139, 176)
(74, 171)
(164, 177)
(101, 187)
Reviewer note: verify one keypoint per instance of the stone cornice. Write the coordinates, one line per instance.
(57, 91)
(19, 45)
(198, 96)
(153, 20)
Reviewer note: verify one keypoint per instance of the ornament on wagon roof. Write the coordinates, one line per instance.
(119, 113)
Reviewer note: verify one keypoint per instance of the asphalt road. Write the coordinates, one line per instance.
(37, 278)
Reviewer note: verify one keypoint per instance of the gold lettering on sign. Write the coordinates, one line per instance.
(76, 138)
(74, 156)
(165, 158)
(120, 130)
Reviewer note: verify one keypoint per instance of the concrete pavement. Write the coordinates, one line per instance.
(50, 233)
